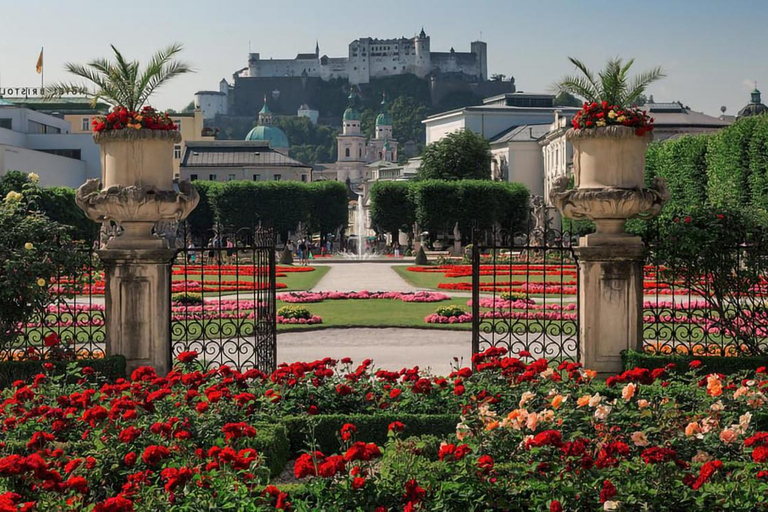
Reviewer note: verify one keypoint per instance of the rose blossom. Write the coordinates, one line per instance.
(629, 391)
(642, 403)
(692, 428)
(527, 396)
(639, 439)
(728, 436)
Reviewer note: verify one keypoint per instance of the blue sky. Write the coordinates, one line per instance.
(711, 50)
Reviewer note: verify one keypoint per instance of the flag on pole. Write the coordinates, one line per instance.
(39, 66)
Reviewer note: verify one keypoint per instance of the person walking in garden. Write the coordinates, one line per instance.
(302, 251)
(191, 252)
(230, 251)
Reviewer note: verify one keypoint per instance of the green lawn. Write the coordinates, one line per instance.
(376, 313)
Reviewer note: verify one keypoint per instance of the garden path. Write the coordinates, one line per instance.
(349, 277)
(390, 349)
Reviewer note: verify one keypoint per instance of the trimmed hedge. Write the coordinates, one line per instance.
(273, 444)
(320, 206)
(437, 205)
(112, 368)
(709, 364)
(392, 207)
(371, 428)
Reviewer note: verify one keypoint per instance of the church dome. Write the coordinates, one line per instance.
(384, 119)
(351, 114)
(274, 135)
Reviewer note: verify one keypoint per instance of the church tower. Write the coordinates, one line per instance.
(351, 143)
(383, 146)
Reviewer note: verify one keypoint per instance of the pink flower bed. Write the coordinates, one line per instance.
(434, 318)
(306, 321)
(307, 297)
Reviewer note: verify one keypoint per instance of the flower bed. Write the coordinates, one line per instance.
(529, 437)
(307, 297)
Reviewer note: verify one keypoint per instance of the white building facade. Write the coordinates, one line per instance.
(31, 141)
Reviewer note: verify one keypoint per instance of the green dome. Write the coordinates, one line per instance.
(351, 115)
(273, 134)
(384, 119)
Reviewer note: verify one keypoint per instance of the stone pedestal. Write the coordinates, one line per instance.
(138, 306)
(610, 303)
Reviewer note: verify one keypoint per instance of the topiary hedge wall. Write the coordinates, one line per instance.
(437, 205)
(321, 206)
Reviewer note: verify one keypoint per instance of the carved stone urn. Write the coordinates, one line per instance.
(139, 202)
(609, 183)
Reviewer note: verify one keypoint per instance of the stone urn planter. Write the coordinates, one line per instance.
(611, 156)
(609, 183)
(139, 202)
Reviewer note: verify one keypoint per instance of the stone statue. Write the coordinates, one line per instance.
(456, 240)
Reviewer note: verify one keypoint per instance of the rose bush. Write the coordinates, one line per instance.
(532, 436)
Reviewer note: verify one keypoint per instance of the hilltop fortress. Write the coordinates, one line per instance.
(375, 58)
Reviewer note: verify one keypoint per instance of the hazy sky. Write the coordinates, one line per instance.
(711, 50)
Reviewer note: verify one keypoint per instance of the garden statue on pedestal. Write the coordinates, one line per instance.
(609, 138)
(137, 200)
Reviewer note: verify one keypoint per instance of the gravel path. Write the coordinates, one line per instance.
(391, 349)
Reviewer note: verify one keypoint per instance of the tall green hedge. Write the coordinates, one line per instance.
(328, 207)
(392, 207)
(320, 206)
(728, 181)
(438, 205)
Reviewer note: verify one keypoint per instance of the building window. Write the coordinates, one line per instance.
(278, 177)
(86, 126)
(257, 177)
(231, 177)
(360, 153)
(212, 177)
(6, 123)
(177, 151)
(193, 177)
(304, 177)
(346, 152)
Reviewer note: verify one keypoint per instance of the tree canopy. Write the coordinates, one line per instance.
(461, 155)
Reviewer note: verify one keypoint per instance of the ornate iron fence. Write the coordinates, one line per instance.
(525, 292)
(72, 326)
(223, 293)
(721, 312)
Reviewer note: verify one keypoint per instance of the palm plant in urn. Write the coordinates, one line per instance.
(137, 196)
(610, 135)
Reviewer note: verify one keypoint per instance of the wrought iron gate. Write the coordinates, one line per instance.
(525, 292)
(223, 291)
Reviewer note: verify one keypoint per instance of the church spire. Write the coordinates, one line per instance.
(265, 115)
(317, 48)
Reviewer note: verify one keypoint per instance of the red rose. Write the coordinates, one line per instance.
(694, 364)
(396, 426)
(187, 357)
(52, 340)
(608, 491)
(358, 483)
(154, 455)
(312, 410)
(116, 504)
(130, 459)
(555, 506)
